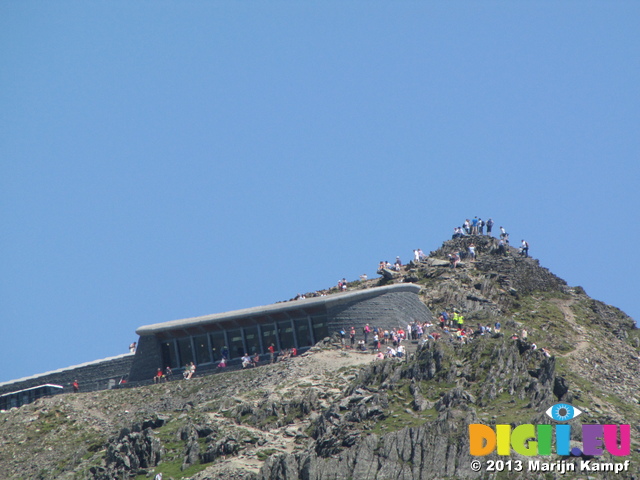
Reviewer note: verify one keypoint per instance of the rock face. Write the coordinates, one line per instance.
(129, 453)
(339, 414)
(437, 446)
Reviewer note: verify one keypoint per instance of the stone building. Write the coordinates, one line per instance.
(299, 323)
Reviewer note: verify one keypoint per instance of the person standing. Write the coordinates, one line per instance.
(525, 248)
(272, 352)
(501, 248)
(472, 252)
(489, 226)
(76, 386)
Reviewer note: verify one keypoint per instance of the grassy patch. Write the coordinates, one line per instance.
(266, 453)
(397, 417)
(545, 322)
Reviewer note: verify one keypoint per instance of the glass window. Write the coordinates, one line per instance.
(285, 333)
(217, 344)
(320, 328)
(302, 331)
(185, 350)
(202, 349)
(236, 346)
(169, 357)
(268, 333)
(252, 339)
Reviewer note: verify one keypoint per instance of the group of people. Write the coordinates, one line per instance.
(386, 265)
(189, 371)
(165, 376)
(391, 352)
(246, 360)
(249, 361)
(524, 335)
(473, 227)
(476, 227)
(379, 336)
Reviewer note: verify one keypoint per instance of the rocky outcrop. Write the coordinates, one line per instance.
(132, 452)
(491, 369)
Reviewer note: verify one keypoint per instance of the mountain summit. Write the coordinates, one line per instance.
(531, 342)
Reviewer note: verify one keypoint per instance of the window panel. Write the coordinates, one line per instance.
(202, 349)
(302, 332)
(320, 328)
(285, 333)
(169, 354)
(252, 339)
(236, 346)
(268, 333)
(218, 342)
(185, 350)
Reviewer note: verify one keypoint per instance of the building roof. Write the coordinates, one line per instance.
(283, 307)
(60, 370)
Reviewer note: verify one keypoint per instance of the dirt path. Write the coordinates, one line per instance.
(570, 318)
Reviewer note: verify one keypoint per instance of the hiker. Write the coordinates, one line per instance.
(76, 386)
(472, 252)
(352, 337)
(158, 376)
(366, 331)
(501, 248)
(272, 352)
(489, 225)
(524, 249)
(474, 226)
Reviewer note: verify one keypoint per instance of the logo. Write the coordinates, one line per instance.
(531, 440)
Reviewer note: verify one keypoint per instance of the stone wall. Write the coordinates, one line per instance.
(91, 376)
(147, 360)
(388, 311)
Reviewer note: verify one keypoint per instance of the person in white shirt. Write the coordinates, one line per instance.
(246, 361)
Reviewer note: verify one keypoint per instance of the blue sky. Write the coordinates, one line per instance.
(161, 160)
